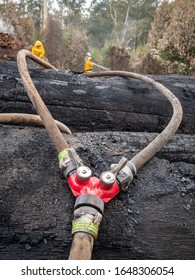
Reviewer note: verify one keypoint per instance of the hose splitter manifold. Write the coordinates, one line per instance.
(93, 192)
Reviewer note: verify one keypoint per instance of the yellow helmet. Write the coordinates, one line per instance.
(38, 44)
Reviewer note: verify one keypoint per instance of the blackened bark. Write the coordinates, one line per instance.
(153, 219)
(90, 104)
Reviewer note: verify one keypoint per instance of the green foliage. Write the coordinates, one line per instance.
(123, 22)
(99, 24)
(171, 53)
(71, 12)
(102, 56)
(32, 8)
(105, 53)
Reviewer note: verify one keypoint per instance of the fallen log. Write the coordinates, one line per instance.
(90, 104)
(153, 219)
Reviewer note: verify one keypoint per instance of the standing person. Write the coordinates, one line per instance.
(38, 50)
(88, 63)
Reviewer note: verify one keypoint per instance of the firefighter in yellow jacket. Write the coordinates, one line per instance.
(88, 63)
(38, 50)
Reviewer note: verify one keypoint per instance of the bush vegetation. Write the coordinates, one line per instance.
(120, 42)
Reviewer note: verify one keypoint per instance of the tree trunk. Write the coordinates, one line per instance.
(91, 104)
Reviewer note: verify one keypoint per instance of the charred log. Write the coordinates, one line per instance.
(153, 219)
(99, 104)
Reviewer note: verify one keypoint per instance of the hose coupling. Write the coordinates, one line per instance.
(108, 178)
(70, 162)
(87, 214)
(82, 172)
(63, 158)
(125, 175)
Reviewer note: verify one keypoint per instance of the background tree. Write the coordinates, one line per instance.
(75, 49)
(53, 42)
(178, 42)
(98, 23)
(108, 25)
(134, 20)
(71, 12)
(171, 39)
(125, 22)
(161, 22)
(33, 8)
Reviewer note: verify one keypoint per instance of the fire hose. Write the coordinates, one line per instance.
(91, 192)
(29, 119)
(101, 67)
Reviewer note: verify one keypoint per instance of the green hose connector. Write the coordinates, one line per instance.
(82, 226)
(63, 154)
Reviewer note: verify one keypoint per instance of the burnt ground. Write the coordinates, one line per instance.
(153, 219)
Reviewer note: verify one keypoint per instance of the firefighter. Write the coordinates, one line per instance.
(38, 50)
(88, 63)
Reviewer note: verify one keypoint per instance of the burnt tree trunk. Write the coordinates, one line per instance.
(91, 104)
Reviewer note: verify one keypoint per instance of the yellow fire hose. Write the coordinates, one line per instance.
(82, 244)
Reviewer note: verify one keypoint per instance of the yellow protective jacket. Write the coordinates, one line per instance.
(38, 50)
(88, 64)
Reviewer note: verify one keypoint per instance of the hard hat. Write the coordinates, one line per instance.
(88, 54)
(38, 44)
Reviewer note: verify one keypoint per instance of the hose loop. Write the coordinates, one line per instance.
(158, 143)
